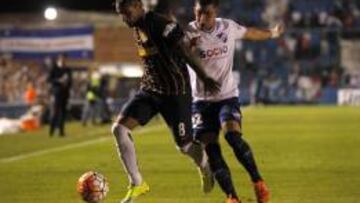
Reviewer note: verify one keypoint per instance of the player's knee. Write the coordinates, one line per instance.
(123, 124)
(235, 140)
(118, 129)
(231, 126)
(233, 136)
(192, 149)
(185, 149)
(115, 128)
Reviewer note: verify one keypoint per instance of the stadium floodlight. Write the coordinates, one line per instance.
(50, 13)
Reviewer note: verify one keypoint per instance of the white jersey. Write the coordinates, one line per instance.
(216, 50)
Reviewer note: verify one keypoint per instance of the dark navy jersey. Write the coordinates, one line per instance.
(165, 71)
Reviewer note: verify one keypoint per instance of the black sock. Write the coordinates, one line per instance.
(220, 169)
(244, 154)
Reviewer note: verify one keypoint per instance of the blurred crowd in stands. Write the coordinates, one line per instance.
(42, 88)
(16, 79)
(304, 66)
(28, 82)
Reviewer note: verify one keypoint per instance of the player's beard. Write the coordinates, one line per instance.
(134, 21)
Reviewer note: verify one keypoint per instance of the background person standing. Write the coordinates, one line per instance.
(60, 79)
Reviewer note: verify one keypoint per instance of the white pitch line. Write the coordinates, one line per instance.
(70, 146)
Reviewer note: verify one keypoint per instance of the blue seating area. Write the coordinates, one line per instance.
(306, 6)
(269, 62)
(310, 50)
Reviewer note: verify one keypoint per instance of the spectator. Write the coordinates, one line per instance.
(30, 95)
(91, 106)
(60, 79)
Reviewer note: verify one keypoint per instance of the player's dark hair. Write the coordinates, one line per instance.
(204, 3)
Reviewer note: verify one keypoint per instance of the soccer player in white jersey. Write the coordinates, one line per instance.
(214, 40)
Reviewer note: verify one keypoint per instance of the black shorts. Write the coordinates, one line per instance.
(208, 116)
(176, 111)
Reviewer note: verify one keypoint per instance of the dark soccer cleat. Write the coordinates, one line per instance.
(262, 192)
(207, 179)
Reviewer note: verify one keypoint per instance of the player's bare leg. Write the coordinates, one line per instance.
(122, 131)
(245, 156)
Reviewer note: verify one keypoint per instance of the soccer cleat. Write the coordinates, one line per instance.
(207, 179)
(262, 192)
(135, 191)
(232, 200)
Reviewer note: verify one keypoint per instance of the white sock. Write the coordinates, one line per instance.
(127, 154)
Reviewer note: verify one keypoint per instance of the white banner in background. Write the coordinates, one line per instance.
(59, 44)
(349, 97)
(76, 42)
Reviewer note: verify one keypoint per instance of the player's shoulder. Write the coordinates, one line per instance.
(156, 18)
(223, 22)
(228, 23)
(159, 24)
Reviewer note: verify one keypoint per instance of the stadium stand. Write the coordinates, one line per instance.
(304, 66)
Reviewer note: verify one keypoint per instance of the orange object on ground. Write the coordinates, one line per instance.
(30, 124)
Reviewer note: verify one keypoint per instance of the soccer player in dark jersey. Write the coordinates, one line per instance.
(165, 89)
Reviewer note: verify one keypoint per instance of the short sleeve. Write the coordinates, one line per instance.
(167, 30)
(173, 32)
(238, 30)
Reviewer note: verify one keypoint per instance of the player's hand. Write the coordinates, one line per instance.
(211, 86)
(277, 31)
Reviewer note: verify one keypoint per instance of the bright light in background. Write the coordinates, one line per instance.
(50, 13)
(122, 70)
(132, 71)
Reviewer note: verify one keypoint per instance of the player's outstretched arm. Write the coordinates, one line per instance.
(211, 86)
(256, 34)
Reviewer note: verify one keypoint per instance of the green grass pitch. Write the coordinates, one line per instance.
(306, 154)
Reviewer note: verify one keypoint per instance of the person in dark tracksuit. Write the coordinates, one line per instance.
(60, 79)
